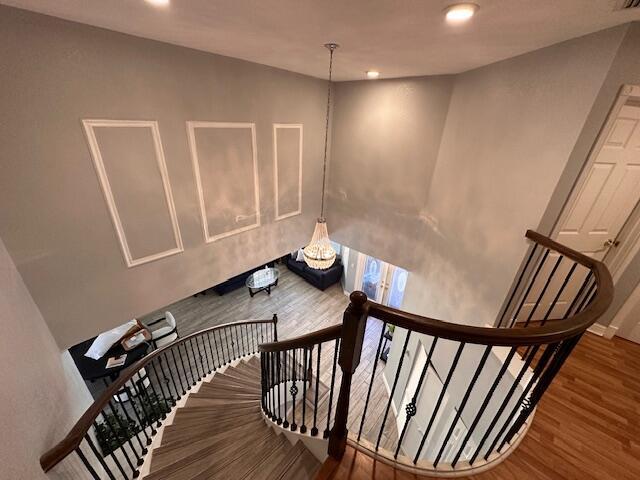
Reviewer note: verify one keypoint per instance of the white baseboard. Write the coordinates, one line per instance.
(602, 331)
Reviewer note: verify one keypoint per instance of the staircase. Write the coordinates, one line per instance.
(465, 396)
(220, 433)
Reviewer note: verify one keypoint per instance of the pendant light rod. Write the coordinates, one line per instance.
(331, 47)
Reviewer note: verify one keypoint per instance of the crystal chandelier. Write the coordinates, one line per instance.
(319, 254)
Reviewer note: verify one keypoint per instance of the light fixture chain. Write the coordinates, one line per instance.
(331, 47)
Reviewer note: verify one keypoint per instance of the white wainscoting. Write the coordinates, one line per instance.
(191, 128)
(98, 162)
(276, 126)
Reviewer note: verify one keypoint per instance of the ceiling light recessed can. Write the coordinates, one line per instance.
(373, 74)
(460, 12)
(158, 3)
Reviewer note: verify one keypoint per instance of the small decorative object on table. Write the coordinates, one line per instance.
(262, 279)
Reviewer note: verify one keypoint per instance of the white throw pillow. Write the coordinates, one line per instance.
(106, 340)
(300, 256)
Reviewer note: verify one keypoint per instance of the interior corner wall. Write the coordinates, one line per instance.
(42, 394)
(509, 132)
(53, 216)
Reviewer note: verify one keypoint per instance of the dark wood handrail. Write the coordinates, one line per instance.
(304, 341)
(67, 445)
(552, 331)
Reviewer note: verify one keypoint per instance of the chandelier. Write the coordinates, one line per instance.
(319, 254)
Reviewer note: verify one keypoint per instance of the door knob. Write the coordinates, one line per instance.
(612, 243)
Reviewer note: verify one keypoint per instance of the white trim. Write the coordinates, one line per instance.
(602, 331)
(191, 126)
(89, 125)
(276, 126)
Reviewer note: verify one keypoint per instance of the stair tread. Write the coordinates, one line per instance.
(220, 433)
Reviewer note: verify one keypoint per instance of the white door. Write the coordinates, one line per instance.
(610, 191)
(373, 277)
(603, 201)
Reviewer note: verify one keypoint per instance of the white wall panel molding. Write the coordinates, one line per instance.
(89, 126)
(251, 183)
(280, 215)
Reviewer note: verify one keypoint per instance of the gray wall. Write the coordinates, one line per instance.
(509, 132)
(53, 216)
(42, 394)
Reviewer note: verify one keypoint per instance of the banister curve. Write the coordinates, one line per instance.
(72, 440)
(552, 331)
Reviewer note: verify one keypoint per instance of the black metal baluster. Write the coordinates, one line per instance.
(216, 358)
(272, 385)
(485, 402)
(184, 368)
(169, 403)
(96, 454)
(143, 448)
(148, 418)
(279, 371)
(294, 392)
(541, 386)
(544, 290)
(587, 298)
(206, 366)
(175, 362)
(463, 404)
(240, 341)
(411, 409)
(206, 361)
(303, 427)
(196, 351)
(548, 353)
(530, 286)
(285, 423)
(234, 341)
(504, 403)
(86, 463)
(314, 429)
(333, 381)
(393, 388)
(213, 357)
(261, 328)
(169, 377)
(128, 441)
(515, 289)
(440, 398)
(136, 414)
(223, 344)
(112, 454)
(373, 372)
(578, 295)
(559, 292)
(114, 433)
(155, 394)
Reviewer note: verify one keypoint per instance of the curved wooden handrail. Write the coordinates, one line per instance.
(67, 445)
(304, 341)
(552, 331)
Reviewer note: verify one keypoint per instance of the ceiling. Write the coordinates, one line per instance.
(397, 37)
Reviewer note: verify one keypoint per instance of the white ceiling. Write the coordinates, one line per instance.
(398, 37)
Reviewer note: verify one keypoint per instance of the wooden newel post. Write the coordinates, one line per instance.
(354, 322)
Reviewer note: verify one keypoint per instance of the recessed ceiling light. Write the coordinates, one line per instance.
(373, 74)
(460, 12)
(158, 3)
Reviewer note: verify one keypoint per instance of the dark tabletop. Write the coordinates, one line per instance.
(91, 369)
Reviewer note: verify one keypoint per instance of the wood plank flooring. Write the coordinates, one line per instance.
(586, 427)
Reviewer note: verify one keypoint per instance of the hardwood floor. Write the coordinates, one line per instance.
(586, 427)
